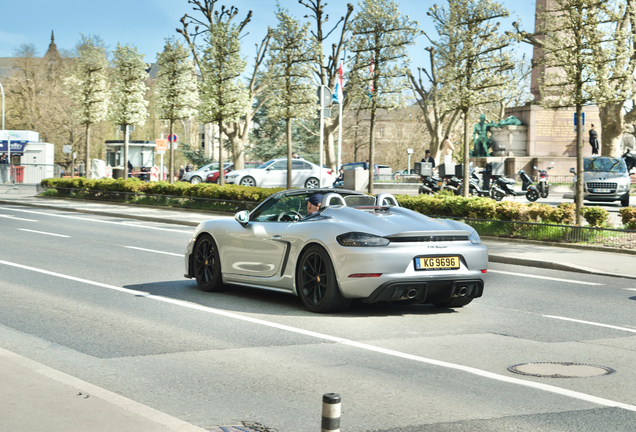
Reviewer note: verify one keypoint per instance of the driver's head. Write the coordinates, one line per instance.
(313, 203)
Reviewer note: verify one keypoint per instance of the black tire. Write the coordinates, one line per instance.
(316, 282)
(532, 195)
(195, 180)
(248, 181)
(625, 200)
(218, 180)
(496, 195)
(206, 265)
(312, 183)
(455, 302)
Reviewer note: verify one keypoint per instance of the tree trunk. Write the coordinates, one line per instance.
(579, 165)
(125, 152)
(171, 174)
(88, 150)
(466, 179)
(612, 126)
(371, 148)
(331, 127)
(289, 153)
(221, 168)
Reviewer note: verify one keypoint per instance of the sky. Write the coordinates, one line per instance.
(147, 23)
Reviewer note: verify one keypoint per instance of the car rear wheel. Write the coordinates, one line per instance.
(206, 265)
(248, 181)
(312, 183)
(218, 180)
(195, 180)
(316, 282)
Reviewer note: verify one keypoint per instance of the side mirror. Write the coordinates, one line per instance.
(573, 170)
(242, 217)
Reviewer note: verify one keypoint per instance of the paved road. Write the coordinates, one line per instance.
(102, 299)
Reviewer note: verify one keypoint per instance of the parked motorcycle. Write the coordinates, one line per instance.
(476, 186)
(544, 186)
(505, 187)
(430, 185)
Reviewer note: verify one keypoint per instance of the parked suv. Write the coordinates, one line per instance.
(605, 179)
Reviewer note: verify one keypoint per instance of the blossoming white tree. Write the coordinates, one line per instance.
(128, 107)
(292, 94)
(378, 76)
(176, 88)
(224, 96)
(87, 86)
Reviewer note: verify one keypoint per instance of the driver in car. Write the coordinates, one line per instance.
(313, 204)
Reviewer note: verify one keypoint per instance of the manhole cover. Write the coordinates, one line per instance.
(560, 370)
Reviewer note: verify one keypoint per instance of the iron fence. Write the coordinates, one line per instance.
(609, 237)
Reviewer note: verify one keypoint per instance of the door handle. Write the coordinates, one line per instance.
(276, 237)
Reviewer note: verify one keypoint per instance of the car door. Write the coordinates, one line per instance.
(301, 171)
(258, 249)
(275, 175)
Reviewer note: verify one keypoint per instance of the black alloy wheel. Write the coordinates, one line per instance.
(316, 282)
(206, 265)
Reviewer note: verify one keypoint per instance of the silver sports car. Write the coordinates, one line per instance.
(329, 246)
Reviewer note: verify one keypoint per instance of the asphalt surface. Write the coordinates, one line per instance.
(62, 402)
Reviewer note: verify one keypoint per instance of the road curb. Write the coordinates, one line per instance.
(553, 266)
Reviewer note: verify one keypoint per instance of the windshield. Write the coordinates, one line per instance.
(604, 164)
(266, 164)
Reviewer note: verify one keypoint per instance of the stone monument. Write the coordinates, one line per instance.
(545, 135)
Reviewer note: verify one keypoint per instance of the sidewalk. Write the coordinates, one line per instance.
(576, 258)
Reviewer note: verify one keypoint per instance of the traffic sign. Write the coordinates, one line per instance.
(67, 149)
(173, 138)
(161, 144)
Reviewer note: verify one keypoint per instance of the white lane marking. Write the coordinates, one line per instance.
(544, 277)
(99, 221)
(630, 289)
(42, 232)
(474, 371)
(103, 394)
(17, 218)
(154, 251)
(591, 323)
(73, 278)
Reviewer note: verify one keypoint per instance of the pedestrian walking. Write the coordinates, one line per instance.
(593, 140)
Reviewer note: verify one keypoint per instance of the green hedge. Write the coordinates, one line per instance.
(181, 189)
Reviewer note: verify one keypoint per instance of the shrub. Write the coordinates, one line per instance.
(595, 216)
(628, 217)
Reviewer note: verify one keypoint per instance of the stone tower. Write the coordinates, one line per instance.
(537, 53)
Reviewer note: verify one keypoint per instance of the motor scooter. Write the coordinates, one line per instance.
(430, 185)
(544, 186)
(504, 187)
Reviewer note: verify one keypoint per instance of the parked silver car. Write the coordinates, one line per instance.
(605, 179)
(354, 247)
(273, 173)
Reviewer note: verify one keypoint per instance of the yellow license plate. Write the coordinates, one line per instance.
(437, 263)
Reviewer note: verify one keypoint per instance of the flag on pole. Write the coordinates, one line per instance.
(338, 97)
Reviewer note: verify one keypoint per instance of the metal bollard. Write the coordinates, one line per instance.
(330, 412)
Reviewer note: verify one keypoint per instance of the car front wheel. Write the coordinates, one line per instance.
(312, 183)
(248, 181)
(316, 282)
(195, 180)
(206, 265)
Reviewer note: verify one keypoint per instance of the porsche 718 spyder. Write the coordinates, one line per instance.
(355, 246)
